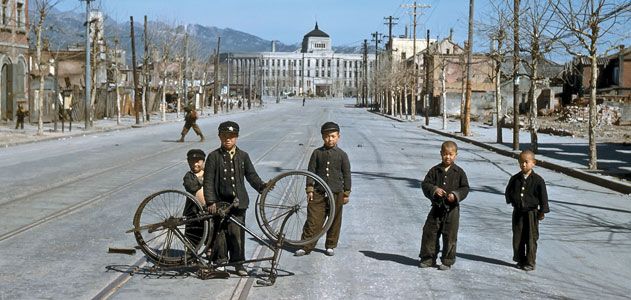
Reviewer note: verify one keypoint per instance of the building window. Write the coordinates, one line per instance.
(317, 73)
(284, 73)
(308, 73)
(283, 62)
(328, 63)
(5, 12)
(402, 55)
(317, 62)
(273, 63)
(20, 15)
(308, 63)
(328, 73)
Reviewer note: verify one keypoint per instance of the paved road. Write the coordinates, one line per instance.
(63, 203)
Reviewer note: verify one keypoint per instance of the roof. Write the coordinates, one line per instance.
(316, 32)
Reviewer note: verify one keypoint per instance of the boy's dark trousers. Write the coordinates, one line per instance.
(229, 238)
(316, 216)
(440, 222)
(525, 236)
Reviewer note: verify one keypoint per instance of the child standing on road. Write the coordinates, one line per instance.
(225, 171)
(331, 164)
(193, 183)
(445, 185)
(526, 192)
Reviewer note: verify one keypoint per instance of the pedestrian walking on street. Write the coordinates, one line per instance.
(445, 185)
(190, 120)
(20, 114)
(331, 164)
(526, 192)
(224, 174)
(303, 101)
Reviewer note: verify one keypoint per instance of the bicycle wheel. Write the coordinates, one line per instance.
(285, 197)
(162, 231)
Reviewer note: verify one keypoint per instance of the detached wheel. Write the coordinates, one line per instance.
(162, 231)
(285, 196)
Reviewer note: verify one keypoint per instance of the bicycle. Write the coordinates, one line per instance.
(174, 230)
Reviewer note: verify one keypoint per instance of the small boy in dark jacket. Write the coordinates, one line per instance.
(445, 185)
(526, 191)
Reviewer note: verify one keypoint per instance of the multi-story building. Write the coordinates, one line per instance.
(313, 70)
(13, 57)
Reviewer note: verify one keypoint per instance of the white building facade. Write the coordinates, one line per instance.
(314, 70)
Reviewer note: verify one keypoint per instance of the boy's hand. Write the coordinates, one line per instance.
(541, 216)
(451, 198)
(440, 192)
(212, 209)
(345, 200)
(309, 196)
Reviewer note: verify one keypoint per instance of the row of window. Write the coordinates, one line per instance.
(299, 73)
(318, 63)
(287, 84)
(6, 13)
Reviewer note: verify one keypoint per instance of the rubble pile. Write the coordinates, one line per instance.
(607, 115)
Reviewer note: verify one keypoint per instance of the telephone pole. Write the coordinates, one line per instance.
(364, 99)
(145, 69)
(216, 83)
(376, 37)
(88, 77)
(137, 105)
(516, 74)
(390, 23)
(467, 105)
(415, 89)
(428, 75)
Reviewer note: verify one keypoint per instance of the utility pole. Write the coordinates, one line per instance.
(390, 23)
(137, 105)
(516, 74)
(216, 83)
(365, 81)
(145, 88)
(415, 89)
(428, 75)
(467, 105)
(88, 77)
(185, 78)
(376, 37)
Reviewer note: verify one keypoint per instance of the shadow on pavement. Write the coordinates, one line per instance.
(412, 182)
(401, 259)
(484, 259)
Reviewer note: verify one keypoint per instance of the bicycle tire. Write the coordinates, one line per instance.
(286, 193)
(160, 242)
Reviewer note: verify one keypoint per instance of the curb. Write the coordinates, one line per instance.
(615, 185)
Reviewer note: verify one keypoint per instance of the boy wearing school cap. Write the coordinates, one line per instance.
(226, 170)
(193, 183)
(331, 164)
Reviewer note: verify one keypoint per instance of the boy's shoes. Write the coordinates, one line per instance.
(426, 264)
(241, 270)
(300, 252)
(220, 269)
(330, 252)
(528, 268)
(444, 267)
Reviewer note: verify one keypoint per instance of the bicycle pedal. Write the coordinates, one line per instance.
(264, 282)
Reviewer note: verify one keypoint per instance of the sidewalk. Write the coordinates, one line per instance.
(564, 154)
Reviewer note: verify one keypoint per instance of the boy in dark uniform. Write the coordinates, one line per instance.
(225, 170)
(193, 184)
(526, 191)
(445, 185)
(190, 120)
(331, 164)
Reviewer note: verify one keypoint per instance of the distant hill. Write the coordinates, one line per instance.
(67, 29)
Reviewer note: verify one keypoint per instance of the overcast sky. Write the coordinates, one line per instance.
(348, 22)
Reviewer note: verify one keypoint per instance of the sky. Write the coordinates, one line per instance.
(348, 22)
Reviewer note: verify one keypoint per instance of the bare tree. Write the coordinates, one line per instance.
(42, 7)
(588, 22)
(495, 31)
(538, 39)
